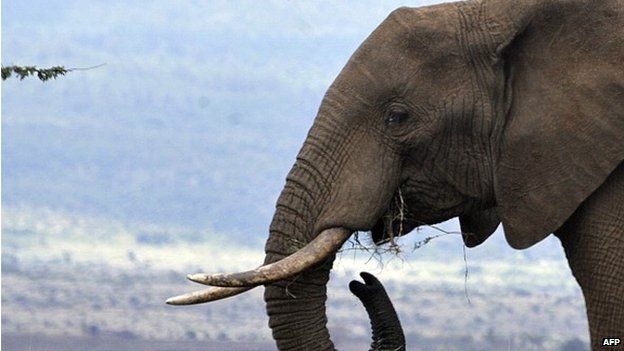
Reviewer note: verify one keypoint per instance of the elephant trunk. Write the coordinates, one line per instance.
(385, 324)
(296, 305)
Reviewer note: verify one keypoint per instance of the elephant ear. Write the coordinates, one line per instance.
(563, 120)
(478, 226)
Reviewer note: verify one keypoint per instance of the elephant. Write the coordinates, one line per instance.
(493, 111)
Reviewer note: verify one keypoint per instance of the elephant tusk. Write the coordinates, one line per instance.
(316, 251)
(207, 295)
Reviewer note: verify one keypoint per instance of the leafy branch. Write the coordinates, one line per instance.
(43, 74)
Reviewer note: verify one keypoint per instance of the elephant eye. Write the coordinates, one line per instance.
(395, 117)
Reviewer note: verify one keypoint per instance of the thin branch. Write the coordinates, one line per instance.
(86, 68)
(466, 275)
(393, 247)
(43, 74)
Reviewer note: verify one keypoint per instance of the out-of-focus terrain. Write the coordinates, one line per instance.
(70, 282)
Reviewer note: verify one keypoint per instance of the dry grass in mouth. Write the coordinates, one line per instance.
(398, 212)
(360, 242)
(400, 216)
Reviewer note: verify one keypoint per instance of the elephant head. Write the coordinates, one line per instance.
(482, 110)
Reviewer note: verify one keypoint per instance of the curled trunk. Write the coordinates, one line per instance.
(385, 324)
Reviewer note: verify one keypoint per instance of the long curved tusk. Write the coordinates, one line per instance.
(317, 250)
(207, 295)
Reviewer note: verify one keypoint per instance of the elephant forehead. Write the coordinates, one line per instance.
(411, 48)
(416, 33)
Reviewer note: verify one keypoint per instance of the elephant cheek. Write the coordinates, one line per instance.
(363, 193)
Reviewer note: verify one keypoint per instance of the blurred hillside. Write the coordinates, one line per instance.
(77, 282)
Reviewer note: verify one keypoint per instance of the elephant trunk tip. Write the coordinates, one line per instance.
(387, 331)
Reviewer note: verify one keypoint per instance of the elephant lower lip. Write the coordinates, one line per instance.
(384, 232)
(393, 223)
(378, 232)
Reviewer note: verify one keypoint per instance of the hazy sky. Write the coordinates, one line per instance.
(194, 120)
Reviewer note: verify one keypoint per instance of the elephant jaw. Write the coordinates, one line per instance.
(225, 285)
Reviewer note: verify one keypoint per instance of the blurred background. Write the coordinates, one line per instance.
(117, 181)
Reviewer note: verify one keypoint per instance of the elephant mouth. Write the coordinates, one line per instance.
(395, 222)
(387, 230)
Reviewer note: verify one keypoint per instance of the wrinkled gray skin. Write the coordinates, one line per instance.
(493, 111)
(387, 331)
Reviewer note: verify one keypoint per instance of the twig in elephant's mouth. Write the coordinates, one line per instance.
(400, 216)
(396, 214)
(377, 251)
(421, 243)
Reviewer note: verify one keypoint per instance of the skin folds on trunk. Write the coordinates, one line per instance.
(385, 324)
(296, 306)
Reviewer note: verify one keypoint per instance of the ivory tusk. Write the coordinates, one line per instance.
(207, 295)
(317, 250)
